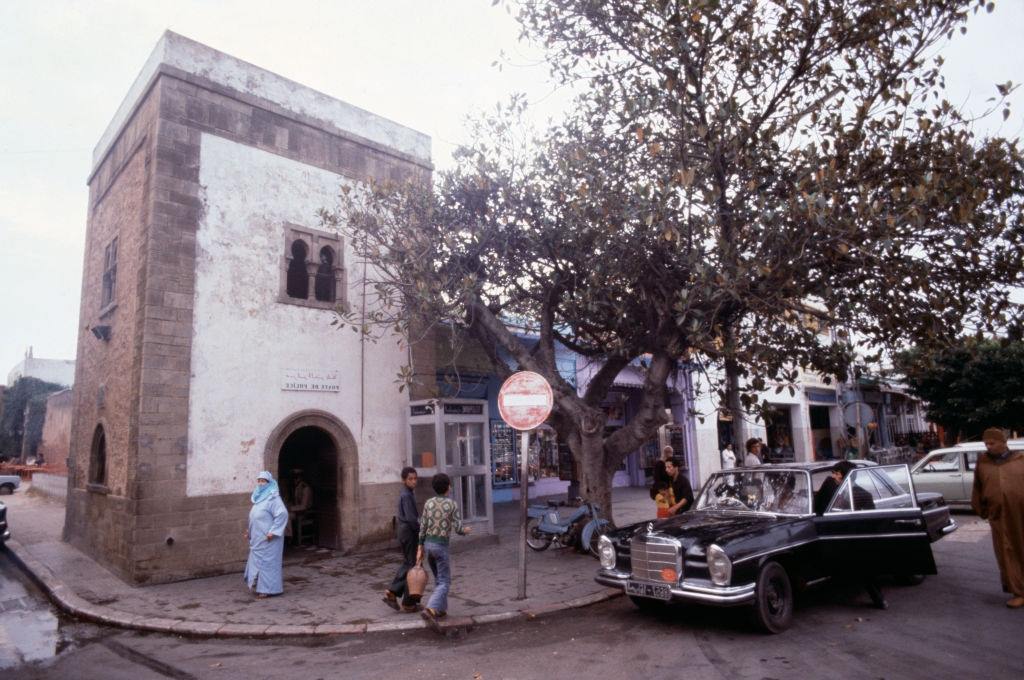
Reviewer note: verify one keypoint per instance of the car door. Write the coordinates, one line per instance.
(942, 472)
(874, 525)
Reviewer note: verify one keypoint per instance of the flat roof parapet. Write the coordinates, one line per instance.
(204, 62)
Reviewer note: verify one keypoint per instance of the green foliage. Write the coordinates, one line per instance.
(729, 170)
(24, 393)
(971, 386)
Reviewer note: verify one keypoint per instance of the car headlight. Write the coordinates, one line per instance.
(606, 552)
(719, 566)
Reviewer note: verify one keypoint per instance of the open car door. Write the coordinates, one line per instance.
(874, 525)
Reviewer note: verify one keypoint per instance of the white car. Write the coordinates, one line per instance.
(8, 483)
(950, 471)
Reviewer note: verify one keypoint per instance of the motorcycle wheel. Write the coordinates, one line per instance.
(596, 532)
(535, 538)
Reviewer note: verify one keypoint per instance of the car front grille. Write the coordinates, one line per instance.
(651, 554)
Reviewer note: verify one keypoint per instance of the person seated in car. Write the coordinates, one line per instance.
(862, 499)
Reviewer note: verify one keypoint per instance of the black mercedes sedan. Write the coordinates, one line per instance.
(5, 533)
(753, 538)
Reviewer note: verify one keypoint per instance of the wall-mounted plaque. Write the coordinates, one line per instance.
(311, 380)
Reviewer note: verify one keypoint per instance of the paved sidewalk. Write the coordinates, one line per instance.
(325, 594)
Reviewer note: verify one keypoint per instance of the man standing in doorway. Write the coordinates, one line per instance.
(728, 457)
(408, 520)
(302, 502)
(998, 496)
(682, 492)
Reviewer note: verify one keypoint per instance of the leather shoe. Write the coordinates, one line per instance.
(390, 599)
(1015, 602)
(430, 616)
(410, 608)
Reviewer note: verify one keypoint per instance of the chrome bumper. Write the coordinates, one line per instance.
(949, 528)
(7, 534)
(688, 591)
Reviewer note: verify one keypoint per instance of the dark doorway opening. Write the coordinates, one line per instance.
(821, 433)
(779, 432)
(312, 451)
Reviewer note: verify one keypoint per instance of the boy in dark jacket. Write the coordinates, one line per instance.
(408, 519)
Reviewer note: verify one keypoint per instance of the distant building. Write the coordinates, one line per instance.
(58, 371)
(56, 441)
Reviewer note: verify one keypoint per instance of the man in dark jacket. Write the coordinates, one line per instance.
(682, 492)
(408, 519)
(862, 500)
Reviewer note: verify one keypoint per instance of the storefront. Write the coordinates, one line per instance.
(451, 436)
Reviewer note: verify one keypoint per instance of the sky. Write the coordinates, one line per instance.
(65, 67)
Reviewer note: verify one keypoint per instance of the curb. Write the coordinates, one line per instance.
(70, 603)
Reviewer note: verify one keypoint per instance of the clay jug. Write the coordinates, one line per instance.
(416, 580)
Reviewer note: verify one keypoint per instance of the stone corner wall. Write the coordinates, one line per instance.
(100, 517)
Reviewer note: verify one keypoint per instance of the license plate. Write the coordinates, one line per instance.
(655, 591)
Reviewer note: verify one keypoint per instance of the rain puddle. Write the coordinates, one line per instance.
(30, 629)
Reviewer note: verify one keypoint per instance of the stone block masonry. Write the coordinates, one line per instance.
(139, 518)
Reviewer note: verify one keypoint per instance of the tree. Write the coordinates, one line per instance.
(728, 168)
(969, 387)
(25, 393)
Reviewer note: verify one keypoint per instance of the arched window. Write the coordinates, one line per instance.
(98, 458)
(314, 260)
(298, 279)
(325, 276)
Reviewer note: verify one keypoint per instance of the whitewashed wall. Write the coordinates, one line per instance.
(243, 339)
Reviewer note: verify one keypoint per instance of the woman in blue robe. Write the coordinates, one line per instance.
(267, 521)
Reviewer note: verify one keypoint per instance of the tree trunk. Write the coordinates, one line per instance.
(735, 408)
(595, 479)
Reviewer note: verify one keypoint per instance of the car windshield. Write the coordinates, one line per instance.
(776, 491)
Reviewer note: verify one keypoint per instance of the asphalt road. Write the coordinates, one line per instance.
(954, 625)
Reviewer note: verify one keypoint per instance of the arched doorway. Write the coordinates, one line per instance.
(319, 444)
(310, 453)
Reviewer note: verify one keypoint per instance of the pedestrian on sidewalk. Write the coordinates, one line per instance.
(998, 496)
(682, 492)
(728, 457)
(408, 519)
(267, 521)
(753, 456)
(658, 475)
(441, 517)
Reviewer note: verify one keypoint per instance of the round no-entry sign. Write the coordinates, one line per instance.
(525, 400)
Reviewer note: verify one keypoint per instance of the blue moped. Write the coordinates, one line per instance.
(581, 530)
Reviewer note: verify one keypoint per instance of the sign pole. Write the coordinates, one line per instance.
(524, 401)
(524, 485)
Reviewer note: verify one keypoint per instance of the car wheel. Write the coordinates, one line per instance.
(647, 605)
(910, 579)
(534, 537)
(773, 599)
(6, 489)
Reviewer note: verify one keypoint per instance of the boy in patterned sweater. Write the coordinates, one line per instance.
(440, 517)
